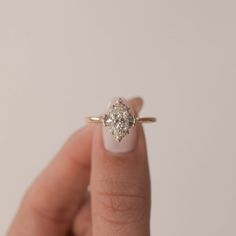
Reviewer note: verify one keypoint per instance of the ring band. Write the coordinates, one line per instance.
(100, 119)
(119, 119)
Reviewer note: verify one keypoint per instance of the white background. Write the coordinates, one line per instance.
(63, 60)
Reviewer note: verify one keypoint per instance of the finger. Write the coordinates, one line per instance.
(120, 184)
(136, 103)
(54, 198)
(82, 222)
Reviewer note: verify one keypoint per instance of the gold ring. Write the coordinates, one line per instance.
(119, 119)
(100, 119)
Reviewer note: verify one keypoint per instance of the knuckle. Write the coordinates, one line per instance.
(121, 202)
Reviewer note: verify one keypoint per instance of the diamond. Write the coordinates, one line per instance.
(119, 120)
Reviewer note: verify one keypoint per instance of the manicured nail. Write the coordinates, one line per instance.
(119, 131)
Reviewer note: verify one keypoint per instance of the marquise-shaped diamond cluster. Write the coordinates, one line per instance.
(119, 120)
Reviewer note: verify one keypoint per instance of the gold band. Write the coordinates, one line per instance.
(146, 119)
(99, 119)
(94, 119)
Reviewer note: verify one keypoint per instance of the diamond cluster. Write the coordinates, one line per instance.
(119, 120)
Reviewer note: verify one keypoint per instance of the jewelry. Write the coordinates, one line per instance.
(119, 119)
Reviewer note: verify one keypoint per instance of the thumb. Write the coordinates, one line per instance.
(120, 186)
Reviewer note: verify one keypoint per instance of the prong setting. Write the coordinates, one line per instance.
(119, 120)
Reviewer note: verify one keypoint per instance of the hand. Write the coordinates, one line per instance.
(59, 203)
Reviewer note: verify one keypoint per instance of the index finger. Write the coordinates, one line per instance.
(52, 201)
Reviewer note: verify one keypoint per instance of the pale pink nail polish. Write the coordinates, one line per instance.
(119, 120)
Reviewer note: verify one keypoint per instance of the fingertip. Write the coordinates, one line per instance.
(136, 103)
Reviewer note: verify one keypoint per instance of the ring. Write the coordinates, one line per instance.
(119, 119)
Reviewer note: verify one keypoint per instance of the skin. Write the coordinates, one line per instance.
(59, 204)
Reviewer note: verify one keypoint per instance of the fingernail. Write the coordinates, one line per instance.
(117, 120)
